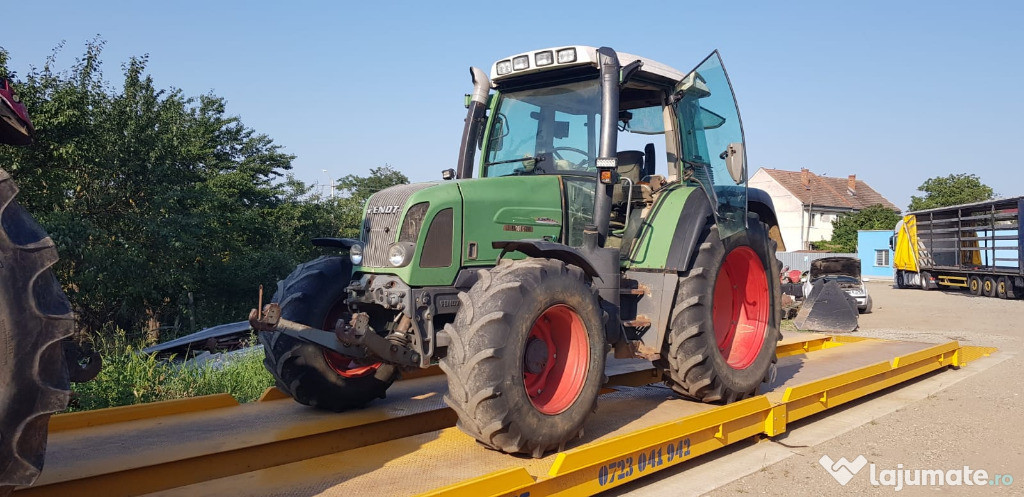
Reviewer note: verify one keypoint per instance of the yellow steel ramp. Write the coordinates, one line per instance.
(408, 444)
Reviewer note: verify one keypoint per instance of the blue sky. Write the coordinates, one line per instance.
(894, 92)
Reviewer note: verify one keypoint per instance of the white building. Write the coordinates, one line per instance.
(806, 204)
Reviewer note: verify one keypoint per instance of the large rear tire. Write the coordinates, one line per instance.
(724, 327)
(314, 295)
(34, 317)
(526, 359)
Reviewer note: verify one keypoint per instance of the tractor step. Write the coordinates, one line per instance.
(639, 322)
(632, 287)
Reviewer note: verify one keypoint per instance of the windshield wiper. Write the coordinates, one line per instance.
(539, 158)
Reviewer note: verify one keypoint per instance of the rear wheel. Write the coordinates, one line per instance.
(1002, 287)
(988, 286)
(314, 295)
(974, 285)
(725, 323)
(526, 359)
(34, 318)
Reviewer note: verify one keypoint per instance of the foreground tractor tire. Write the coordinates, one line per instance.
(34, 317)
(725, 322)
(526, 359)
(314, 295)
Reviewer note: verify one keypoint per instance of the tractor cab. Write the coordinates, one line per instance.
(546, 113)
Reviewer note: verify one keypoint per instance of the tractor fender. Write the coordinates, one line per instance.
(550, 250)
(760, 203)
(695, 219)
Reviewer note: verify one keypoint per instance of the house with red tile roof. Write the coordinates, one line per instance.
(806, 204)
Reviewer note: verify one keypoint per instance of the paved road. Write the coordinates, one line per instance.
(971, 417)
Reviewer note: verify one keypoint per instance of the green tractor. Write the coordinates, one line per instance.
(577, 239)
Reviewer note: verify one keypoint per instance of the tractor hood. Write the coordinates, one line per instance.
(443, 227)
(835, 266)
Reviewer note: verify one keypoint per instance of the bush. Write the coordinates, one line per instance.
(131, 377)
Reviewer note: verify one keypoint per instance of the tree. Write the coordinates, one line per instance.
(955, 189)
(164, 207)
(355, 190)
(844, 229)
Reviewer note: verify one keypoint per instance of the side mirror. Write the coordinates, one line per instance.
(733, 156)
(627, 73)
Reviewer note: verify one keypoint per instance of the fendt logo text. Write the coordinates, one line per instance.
(384, 209)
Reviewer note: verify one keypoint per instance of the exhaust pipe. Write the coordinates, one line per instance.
(474, 120)
(609, 65)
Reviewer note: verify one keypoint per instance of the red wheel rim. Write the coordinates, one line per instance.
(345, 366)
(555, 359)
(741, 307)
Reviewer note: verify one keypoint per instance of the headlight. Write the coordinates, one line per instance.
(521, 62)
(355, 254)
(400, 254)
(504, 67)
(566, 55)
(544, 58)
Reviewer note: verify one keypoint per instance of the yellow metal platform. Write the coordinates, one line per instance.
(408, 444)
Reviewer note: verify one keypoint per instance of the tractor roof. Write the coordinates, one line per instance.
(536, 61)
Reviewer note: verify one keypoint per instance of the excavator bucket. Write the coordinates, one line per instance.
(827, 308)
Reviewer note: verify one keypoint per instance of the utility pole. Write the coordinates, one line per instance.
(329, 182)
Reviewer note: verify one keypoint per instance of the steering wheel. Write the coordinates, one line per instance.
(579, 166)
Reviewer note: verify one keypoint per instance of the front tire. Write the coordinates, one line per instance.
(724, 327)
(34, 318)
(314, 295)
(530, 324)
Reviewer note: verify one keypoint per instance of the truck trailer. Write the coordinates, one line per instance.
(974, 246)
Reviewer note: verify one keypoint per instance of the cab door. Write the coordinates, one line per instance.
(711, 140)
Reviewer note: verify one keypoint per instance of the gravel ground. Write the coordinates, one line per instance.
(977, 422)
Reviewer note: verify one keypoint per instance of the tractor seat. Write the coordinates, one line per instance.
(630, 165)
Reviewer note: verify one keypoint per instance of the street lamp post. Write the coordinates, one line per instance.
(329, 182)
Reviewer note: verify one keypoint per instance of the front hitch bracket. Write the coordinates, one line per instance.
(353, 338)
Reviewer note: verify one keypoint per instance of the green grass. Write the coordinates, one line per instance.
(787, 326)
(128, 377)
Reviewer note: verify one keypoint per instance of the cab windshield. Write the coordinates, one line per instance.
(549, 130)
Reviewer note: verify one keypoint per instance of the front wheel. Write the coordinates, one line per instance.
(34, 318)
(526, 359)
(724, 326)
(314, 295)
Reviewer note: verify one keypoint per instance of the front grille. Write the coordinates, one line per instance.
(381, 221)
